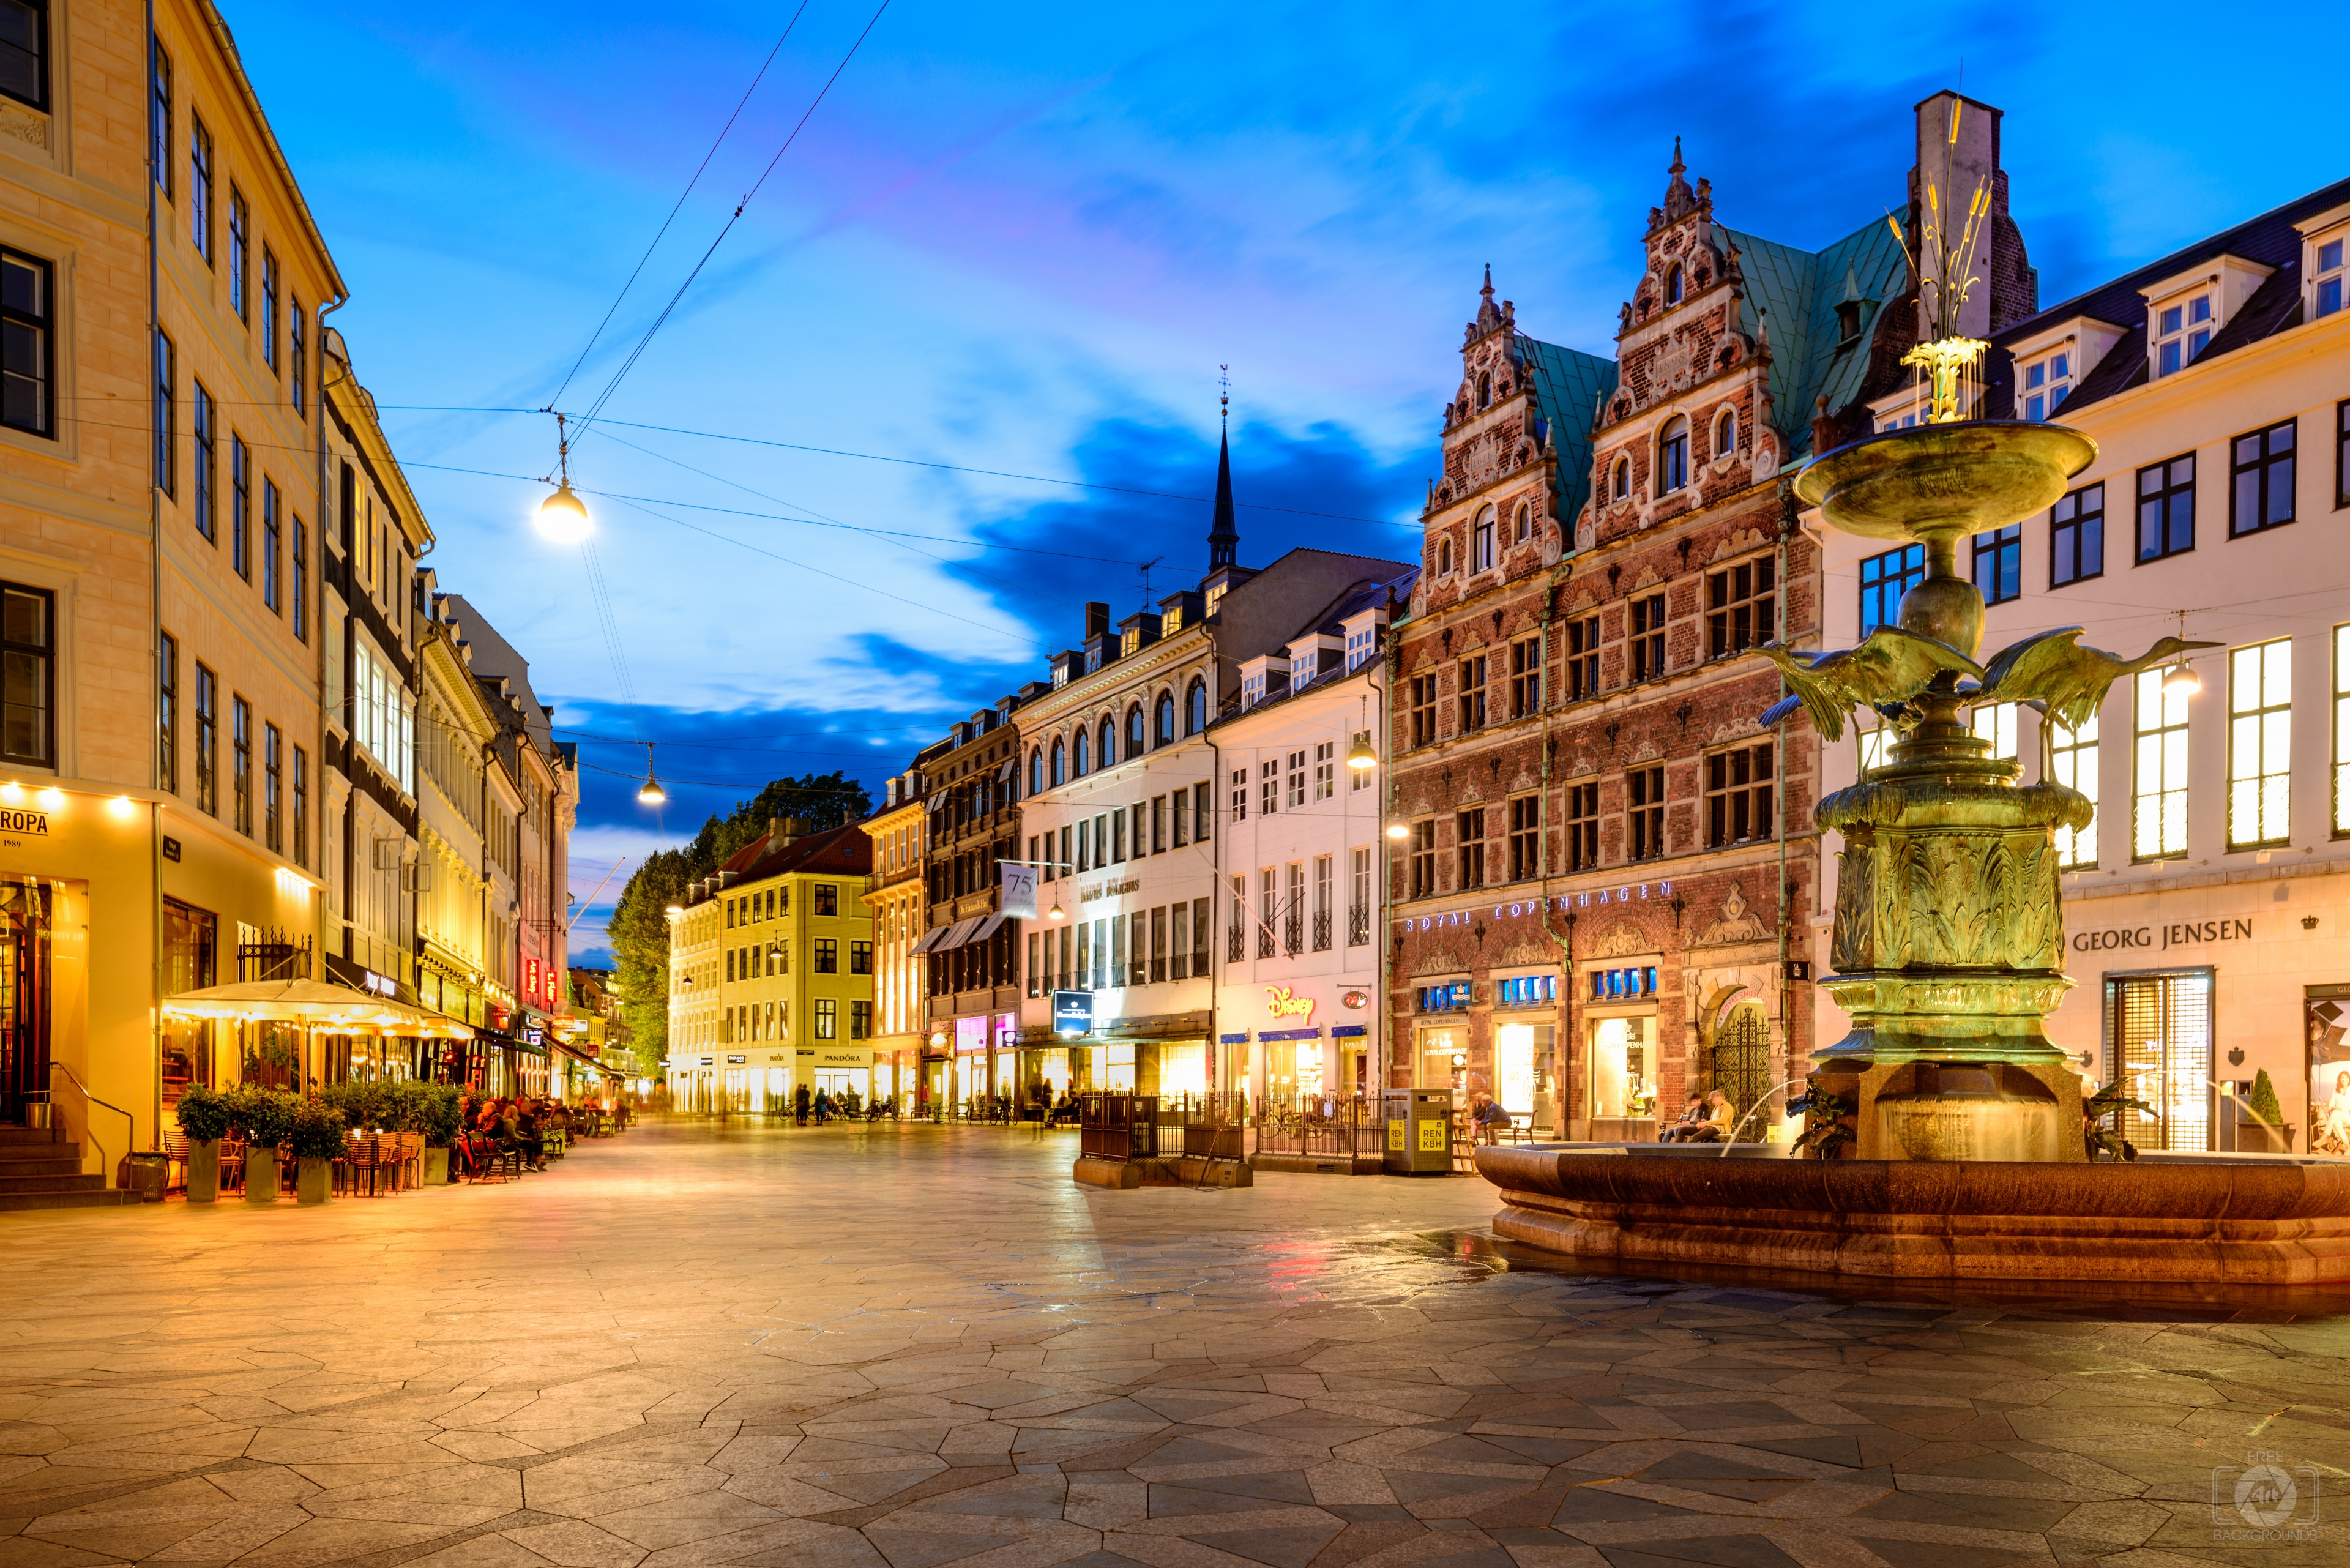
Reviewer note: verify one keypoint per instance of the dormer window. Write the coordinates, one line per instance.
(2045, 382)
(1251, 688)
(1360, 642)
(1301, 668)
(1216, 597)
(1673, 285)
(2327, 296)
(2182, 331)
(1847, 321)
(1672, 456)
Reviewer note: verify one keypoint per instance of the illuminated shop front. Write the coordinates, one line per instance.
(1526, 1042)
(1621, 1047)
(1440, 1034)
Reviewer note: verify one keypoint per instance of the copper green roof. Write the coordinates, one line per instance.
(1797, 292)
(1569, 386)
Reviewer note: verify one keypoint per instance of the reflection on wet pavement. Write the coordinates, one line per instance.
(919, 1347)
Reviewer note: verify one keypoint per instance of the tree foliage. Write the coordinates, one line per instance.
(639, 928)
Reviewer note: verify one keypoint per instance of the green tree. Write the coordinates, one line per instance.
(639, 928)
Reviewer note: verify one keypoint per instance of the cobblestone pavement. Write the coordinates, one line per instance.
(918, 1347)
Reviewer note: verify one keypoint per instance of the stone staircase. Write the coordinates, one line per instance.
(36, 1173)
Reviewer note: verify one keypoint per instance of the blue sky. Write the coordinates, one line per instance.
(1023, 238)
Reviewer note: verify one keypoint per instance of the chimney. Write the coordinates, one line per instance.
(781, 830)
(1096, 620)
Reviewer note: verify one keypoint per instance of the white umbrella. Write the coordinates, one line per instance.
(334, 1009)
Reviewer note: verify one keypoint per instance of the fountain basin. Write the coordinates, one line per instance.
(1944, 481)
(2240, 1222)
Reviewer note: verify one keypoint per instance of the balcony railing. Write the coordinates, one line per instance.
(1358, 925)
(1234, 951)
(1321, 931)
(1293, 933)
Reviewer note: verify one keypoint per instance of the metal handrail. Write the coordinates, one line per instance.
(130, 1122)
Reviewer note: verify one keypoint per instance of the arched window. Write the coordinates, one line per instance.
(1485, 391)
(1725, 433)
(1163, 729)
(1672, 456)
(1036, 771)
(1060, 763)
(1133, 730)
(1078, 769)
(1673, 285)
(1480, 542)
(1522, 527)
(1195, 706)
(1620, 487)
(1444, 557)
(1108, 741)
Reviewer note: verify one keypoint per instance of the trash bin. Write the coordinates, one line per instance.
(1419, 1133)
(146, 1174)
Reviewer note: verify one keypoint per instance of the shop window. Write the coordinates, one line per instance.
(1622, 1074)
(2259, 745)
(1615, 984)
(1451, 997)
(2076, 537)
(1526, 991)
(2158, 1030)
(2158, 807)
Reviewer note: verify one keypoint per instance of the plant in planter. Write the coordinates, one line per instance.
(266, 1118)
(205, 1116)
(436, 1110)
(317, 1134)
(2262, 1103)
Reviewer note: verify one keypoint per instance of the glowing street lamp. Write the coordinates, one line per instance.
(561, 516)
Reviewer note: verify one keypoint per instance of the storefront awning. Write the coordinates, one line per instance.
(979, 928)
(929, 942)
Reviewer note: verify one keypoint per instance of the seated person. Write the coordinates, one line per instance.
(1693, 1118)
(1486, 1118)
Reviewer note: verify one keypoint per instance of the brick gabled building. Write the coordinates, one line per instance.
(1604, 862)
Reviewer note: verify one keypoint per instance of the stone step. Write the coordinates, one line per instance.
(22, 1135)
(37, 1153)
(28, 1175)
(69, 1198)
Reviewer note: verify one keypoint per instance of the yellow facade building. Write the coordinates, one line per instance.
(901, 995)
(771, 965)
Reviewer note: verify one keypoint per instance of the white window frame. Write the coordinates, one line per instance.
(2041, 385)
(2158, 764)
(2073, 762)
(2259, 745)
(2190, 334)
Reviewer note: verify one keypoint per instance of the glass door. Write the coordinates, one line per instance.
(23, 998)
(2159, 1037)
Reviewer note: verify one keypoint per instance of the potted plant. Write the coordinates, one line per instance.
(265, 1116)
(436, 1111)
(205, 1116)
(317, 1133)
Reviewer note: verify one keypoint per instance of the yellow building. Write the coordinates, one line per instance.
(159, 759)
(900, 1019)
(771, 965)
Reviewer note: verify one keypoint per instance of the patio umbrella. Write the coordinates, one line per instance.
(333, 1009)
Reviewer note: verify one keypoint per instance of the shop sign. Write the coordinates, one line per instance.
(1019, 892)
(2160, 938)
(1356, 999)
(1282, 1002)
(171, 848)
(736, 1060)
(1108, 889)
(836, 1057)
(1073, 1013)
(709, 1061)
(1629, 893)
(30, 824)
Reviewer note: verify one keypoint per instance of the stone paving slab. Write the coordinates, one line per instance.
(922, 1347)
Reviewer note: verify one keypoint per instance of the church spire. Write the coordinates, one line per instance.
(1223, 536)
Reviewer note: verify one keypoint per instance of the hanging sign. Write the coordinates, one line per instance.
(1073, 1013)
(1019, 892)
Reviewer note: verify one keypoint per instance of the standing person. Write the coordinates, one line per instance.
(823, 1105)
(526, 1134)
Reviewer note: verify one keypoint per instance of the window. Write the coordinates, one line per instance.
(167, 713)
(1268, 793)
(28, 652)
(1582, 827)
(298, 359)
(1738, 796)
(269, 307)
(1268, 900)
(1644, 796)
(1423, 709)
(860, 1021)
(1359, 778)
(167, 432)
(1647, 649)
(1163, 719)
(1999, 564)
(1359, 895)
(1157, 825)
(1444, 557)
(240, 741)
(825, 899)
(1472, 694)
(1725, 432)
(2259, 745)
(2341, 731)
(828, 1018)
(1078, 768)
(301, 580)
(25, 51)
(1117, 836)
(827, 959)
(1526, 837)
(1060, 759)
(2045, 382)
(28, 337)
(1240, 794)
(301, 806)
(1423, 858)
(1521, 526)
(1741, 607)
(860, 958)
(1995, 724)
(159, 119)
(204, 472)
(1469, 840)
(2181, 331)
(1673, 285)
(2166, 508)
(1619, 480)
(1672, 456)
(2158, 805)
(1109, 742)
(270, 531)
(1195, 708)
(1326, 770)
(1134, 742)
(1293, 922)
(1884, 579)
(1296, 780)
(273, 789)
(207, 741)
(1525, 677)
(199, 188)
(1200, 809)
(1485, 391)
(2073, 762)
(240, 254)
(240, 507)
(2076, 537)
(1583, 658)
(2262, 468)
(2325, 292)
(1481, 543)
